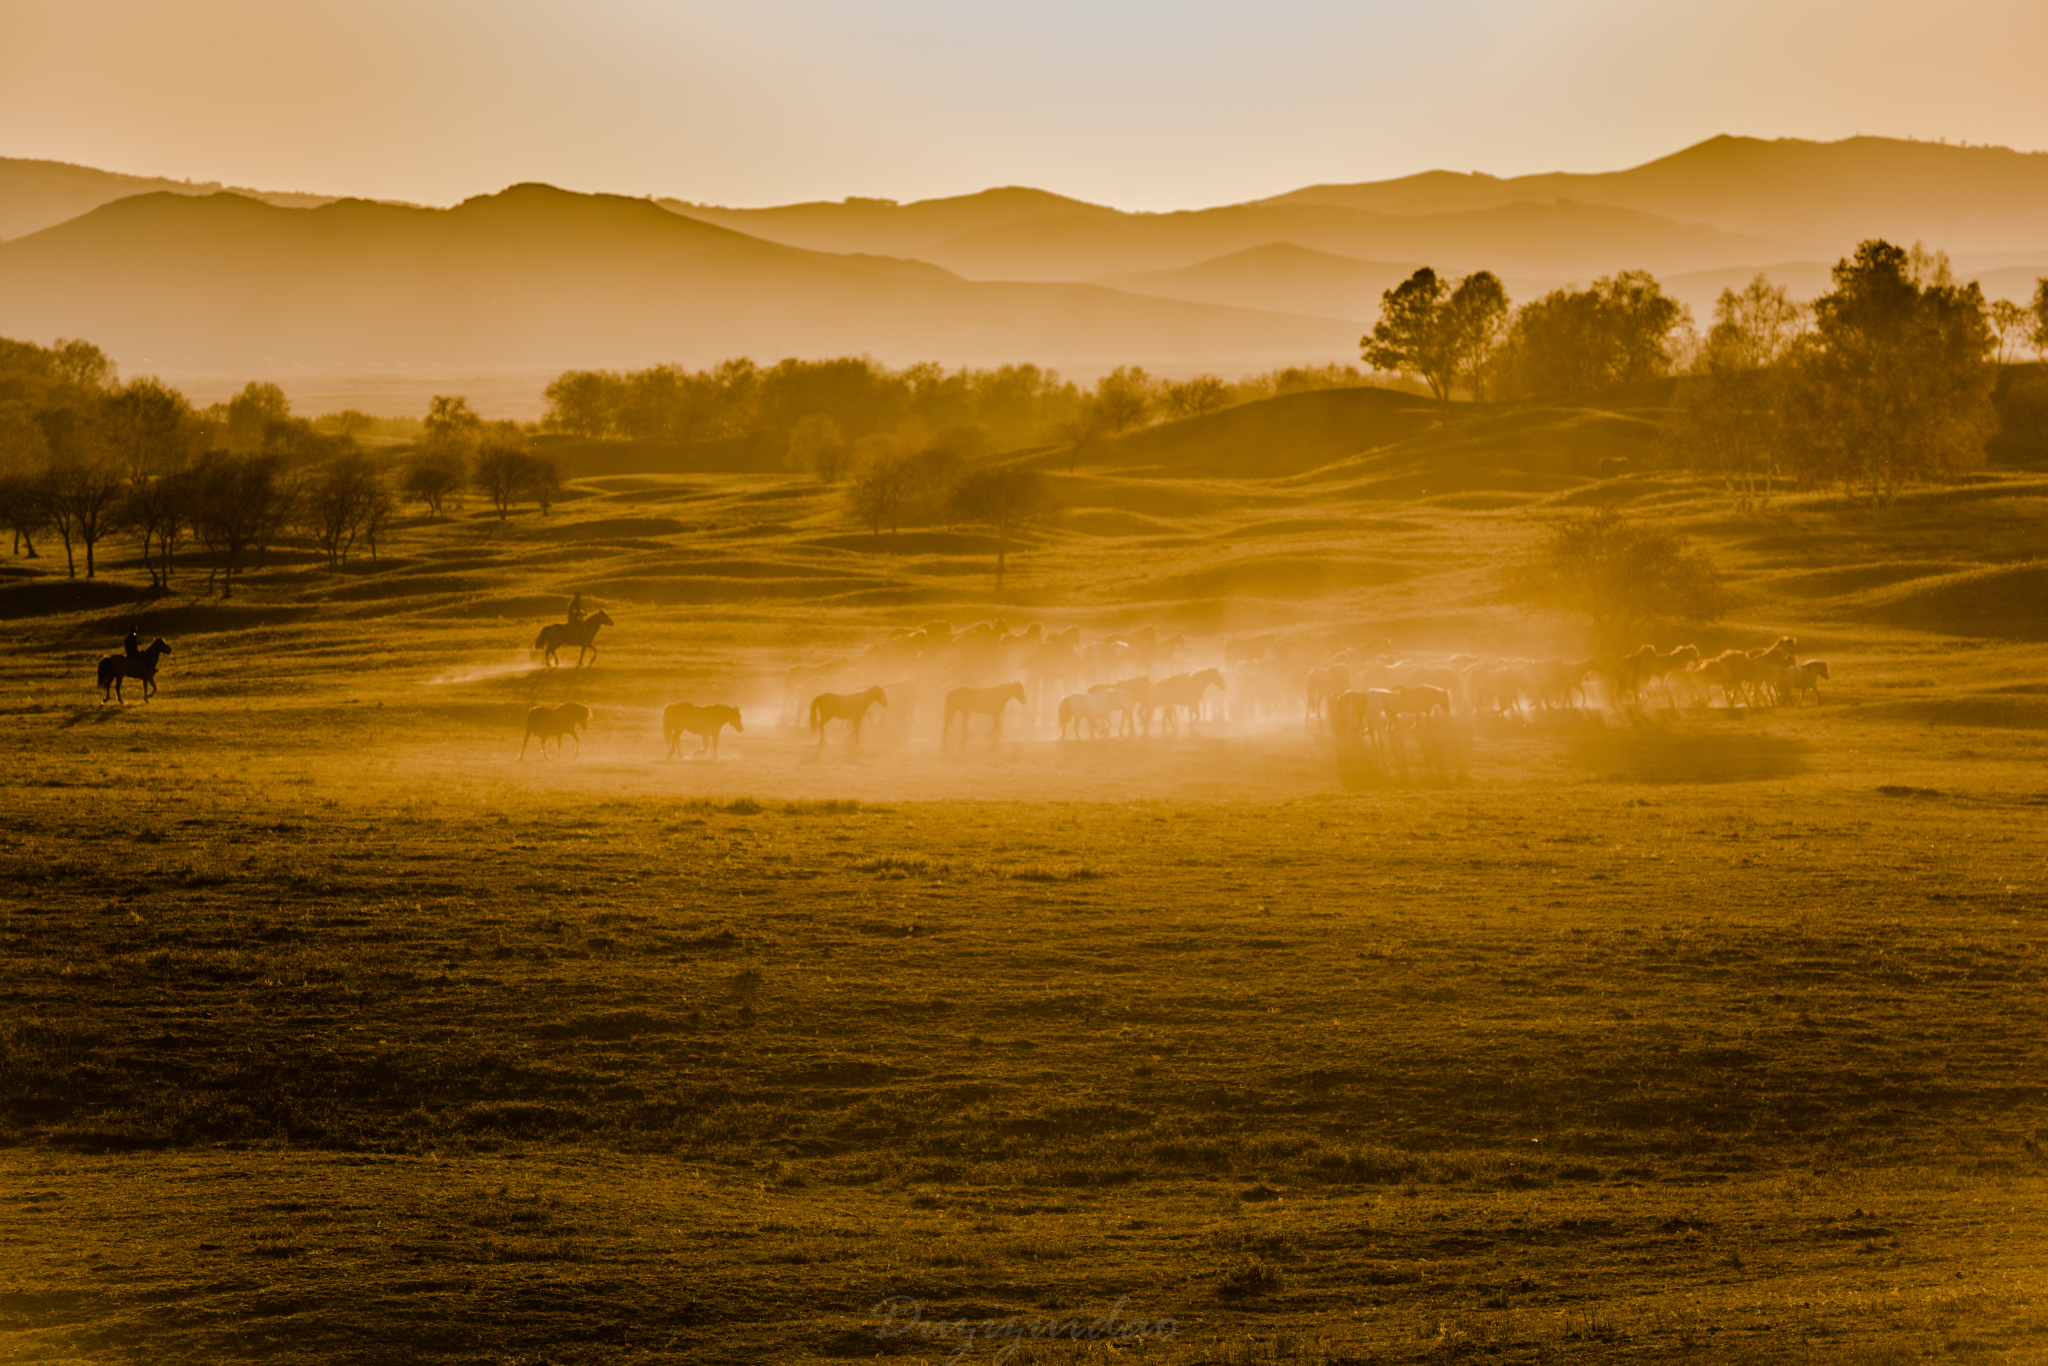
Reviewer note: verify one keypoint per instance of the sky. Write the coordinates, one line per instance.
(1143, 104)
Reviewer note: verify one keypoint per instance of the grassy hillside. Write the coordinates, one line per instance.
(335, 1028)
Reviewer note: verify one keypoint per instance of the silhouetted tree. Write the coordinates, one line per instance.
(1004, 498)
(2040, 311)
(24, 453)
(158, 510)
(239, 502)
(1619, 575)
(1410, 337)
(149, 428)
(501, 475)
(338, 501)
(83, 493)
(1575, 341)
(1895, 382)
(880, 484)
(541, 480)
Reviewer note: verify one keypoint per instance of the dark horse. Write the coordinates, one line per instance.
(140, 665)
(555, 635)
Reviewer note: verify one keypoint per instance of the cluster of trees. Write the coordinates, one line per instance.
(820, 411)
(1468, 336)
(85, 458)
(1886, 379)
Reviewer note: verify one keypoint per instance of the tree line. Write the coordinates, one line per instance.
(1886, 379)
(85, 458)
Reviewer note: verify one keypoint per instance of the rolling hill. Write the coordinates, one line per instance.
(41, 194)
(540, 277)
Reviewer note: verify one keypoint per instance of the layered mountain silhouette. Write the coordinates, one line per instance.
(540, 277)
(189, 279)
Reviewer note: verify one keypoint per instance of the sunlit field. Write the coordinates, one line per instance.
(335, 1030)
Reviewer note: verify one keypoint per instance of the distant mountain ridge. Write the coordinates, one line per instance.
(541, 277)
(193, 280)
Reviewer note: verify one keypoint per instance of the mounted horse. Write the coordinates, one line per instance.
(557, 635)
(140, 666)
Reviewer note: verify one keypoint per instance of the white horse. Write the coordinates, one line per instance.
(1096, 708)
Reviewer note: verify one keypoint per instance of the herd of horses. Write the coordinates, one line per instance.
(1350, 685)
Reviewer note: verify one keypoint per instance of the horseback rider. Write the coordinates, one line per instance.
(132, 646)
(576, 613)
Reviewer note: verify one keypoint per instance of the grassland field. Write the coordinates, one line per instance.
(331, 1030)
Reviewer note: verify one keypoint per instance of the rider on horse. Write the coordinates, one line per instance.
(576, 613)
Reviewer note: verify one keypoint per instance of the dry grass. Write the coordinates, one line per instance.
(334, 1032)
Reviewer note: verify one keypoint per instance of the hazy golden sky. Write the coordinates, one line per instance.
(1146, 104)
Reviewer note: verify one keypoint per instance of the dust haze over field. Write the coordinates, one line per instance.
(1666, 1026)
(1031, 685)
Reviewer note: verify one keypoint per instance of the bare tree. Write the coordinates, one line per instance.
(24, 453)
(2013, 326)
(239, 502)
(542, 480)
(84, 493)
(338, 502)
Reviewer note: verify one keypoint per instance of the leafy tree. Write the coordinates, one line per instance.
(541, 480)
(1618, 575)
(158, 510)
(24, 452)
(250, 413)
(82, 366)
(149, 427)
(1410, 338)
(82, 490)
(817, 445)
(859, 396)
(501, 474)
(338, 502)
(1123, 398)
(2013, 326)
(1475, 319)
(1728, 422)
(1004, 498)
(2040, 311)
(880, 486)
(1895, 382)
(583, 402)
(436, 476)
(1575, 341)
(1192, 398)
(239, 502)
(451, 423)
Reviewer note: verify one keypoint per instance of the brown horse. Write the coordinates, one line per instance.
(967, 703)
(140, 666)
(552, 723)
(700, 721)
(557, 634)
(832, 706)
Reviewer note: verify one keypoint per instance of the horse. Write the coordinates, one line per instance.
(553, 723)
(1094, 708)
(1324, 684)
(1184, 690)
(966, 703)
(141, 666)
(832, 706)
(703, 721)
(557, 634)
